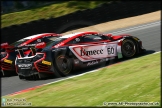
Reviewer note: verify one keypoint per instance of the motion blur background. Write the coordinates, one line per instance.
(25, 18)
(13, 6)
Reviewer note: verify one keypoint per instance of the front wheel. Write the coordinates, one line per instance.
(128, 48)
(63, 65)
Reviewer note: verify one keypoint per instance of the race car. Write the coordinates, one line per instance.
(8, 54)
(65, 54)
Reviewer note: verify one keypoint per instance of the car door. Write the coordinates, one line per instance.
(92, 47)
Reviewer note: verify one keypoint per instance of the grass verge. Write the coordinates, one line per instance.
(136, 80)
(45, 12)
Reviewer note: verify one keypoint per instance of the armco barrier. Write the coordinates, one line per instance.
(103, 13)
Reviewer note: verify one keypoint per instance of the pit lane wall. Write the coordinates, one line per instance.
(103, 13)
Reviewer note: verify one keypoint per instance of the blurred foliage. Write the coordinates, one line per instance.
(46, 11)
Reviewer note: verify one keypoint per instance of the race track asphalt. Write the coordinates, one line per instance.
(149, 33)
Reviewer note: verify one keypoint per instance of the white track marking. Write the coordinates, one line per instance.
(71, 77)
(138, 27)
(157, 52)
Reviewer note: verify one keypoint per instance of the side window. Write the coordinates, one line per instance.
(75, 41)
(47, 39)
(87, 38)
(92, 38)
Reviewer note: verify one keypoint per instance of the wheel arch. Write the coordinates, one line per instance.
(57, 53)
(134, 39)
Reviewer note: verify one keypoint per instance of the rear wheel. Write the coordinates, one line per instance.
(128, 48)
(63, 65)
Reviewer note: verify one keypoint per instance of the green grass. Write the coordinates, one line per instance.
(46, 12)
(136, 80)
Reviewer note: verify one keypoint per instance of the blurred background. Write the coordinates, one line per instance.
(13, 6)
(24, 18)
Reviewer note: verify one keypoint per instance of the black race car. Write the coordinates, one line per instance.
(8, 54)
(64, 54)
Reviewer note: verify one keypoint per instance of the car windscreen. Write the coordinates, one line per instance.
(17, 43)
(49, 39)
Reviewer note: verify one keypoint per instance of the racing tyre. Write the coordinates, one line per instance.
(63, 65)
(128, 48)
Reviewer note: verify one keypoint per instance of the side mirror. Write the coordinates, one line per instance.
(4, 45)
(40, 45)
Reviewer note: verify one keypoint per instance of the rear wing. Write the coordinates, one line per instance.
(3, 46)
(6, 47)
(22, 49)
(32, 47)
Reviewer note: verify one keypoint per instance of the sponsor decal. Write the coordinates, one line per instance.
(24, 65)
(92, 63)
(46, 62)
(42, 43)
(30, 45)
(90, 52)
(105, 59)
(38, 40)
(76, 61)
(94, 52)
(8, 61)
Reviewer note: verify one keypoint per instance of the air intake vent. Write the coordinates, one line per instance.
(7, 66)
(43, 67)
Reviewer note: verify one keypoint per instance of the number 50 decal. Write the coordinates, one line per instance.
(110, 50)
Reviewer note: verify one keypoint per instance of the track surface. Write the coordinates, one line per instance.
(148, 33)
